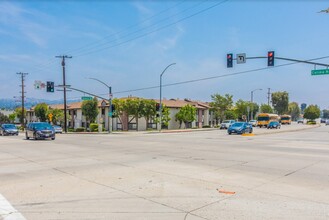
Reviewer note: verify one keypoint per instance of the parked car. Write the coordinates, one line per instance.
(240, 128)
(226, 124)
(39, 130)
(274, 124)
(253, 123)
(327, 122)
(300, 121)
(58, 129)
(323, 120)
(8, 129)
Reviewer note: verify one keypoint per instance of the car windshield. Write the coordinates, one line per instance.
(40, 126)
(9, 126)
(252, 121)
(273, 123)
(238, 124)
(226, 121)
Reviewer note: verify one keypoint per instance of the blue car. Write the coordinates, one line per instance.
(240, 128)
(274, 124)
(8, 129)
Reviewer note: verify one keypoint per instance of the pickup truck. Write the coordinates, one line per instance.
(226, 124)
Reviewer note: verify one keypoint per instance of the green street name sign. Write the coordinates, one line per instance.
(84, 98)
(320, 72)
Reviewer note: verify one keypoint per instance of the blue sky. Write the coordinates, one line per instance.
(127, 44)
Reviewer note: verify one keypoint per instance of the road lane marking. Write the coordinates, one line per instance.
(8, 212)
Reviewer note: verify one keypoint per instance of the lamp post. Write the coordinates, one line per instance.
(160, 109)
(252, 97)
(110, 103)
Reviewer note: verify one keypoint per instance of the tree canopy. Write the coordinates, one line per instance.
(186, 114)
(41, 111)
(220, 104)
(90, 109)
(312, 112)
(294, 110)
(280, 102)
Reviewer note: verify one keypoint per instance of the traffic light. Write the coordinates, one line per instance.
(112, 108)
(50, 86)
(270, 58)
(229, 60)
(157, 107)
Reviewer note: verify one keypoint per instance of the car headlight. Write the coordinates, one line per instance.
(39, 132)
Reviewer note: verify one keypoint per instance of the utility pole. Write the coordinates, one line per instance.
(64, 86)
(268, 96)
(23, 97)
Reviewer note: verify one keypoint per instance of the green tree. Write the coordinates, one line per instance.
(230, 114)
(186, 114)
(294, 110)
(41, 111)
(18, 112)
(220, 104)
(280, 101)
(12, 117)
(165, 116)
(264, 108)
(133, 107)
(312, 112)
(148, 110)
(4, 118)
(90, 110)
(58, 116)
(241, 108)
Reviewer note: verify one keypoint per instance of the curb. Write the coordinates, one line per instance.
(293, 130)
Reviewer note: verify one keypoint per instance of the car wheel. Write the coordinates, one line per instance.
(35, 137)
(250, 131)
(53, 138)
(229, 133)
(27, 137)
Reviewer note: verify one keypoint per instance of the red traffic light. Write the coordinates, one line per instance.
(229, 56)
(270, 54)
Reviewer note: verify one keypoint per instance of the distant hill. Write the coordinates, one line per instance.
(11, 104)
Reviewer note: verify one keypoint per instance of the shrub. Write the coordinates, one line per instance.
(93, 127)
(81, 129)
(206, 126)
(311, 122)
(70, 129)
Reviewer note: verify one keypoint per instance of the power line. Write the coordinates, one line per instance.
(119, 32)
(218, 76)
(156, 30)
(98, 42)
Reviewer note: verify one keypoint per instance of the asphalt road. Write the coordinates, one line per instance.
(192, 175)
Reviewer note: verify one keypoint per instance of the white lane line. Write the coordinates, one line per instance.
(7, 211)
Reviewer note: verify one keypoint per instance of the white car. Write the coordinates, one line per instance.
(253, 123)
(226, 124)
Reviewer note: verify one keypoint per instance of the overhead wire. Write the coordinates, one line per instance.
(155, 30)
(217, 76)
(124, 30)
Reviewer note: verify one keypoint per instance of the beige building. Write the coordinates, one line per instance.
(75, 118)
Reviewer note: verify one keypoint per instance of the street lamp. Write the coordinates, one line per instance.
(110, 103)
(161, 93)
(252, 97)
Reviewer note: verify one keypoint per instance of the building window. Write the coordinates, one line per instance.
(103, 111)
